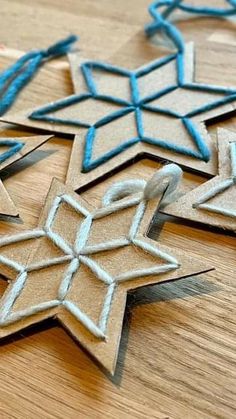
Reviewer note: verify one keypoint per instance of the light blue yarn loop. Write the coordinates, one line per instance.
(211, 11)
(15, 77)
(161, 24)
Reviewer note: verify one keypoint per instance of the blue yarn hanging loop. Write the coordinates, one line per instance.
(15, 77)
(160, 18)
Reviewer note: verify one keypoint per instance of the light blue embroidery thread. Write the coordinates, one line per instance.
(14, 147)
(80, 252)
(15, 77)
(137, 104)
(220, 187)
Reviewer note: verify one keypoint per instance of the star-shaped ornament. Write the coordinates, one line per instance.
(12, 150)
(83, 263)
(118, 114)
(214, 202)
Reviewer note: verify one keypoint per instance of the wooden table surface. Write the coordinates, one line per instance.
(177, 355)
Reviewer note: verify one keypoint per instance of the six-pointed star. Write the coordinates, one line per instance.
(80, 271)
(157, 109)
(15, 149)
(214, 202)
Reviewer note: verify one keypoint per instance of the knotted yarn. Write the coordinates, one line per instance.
(19, 74)
(164, 182)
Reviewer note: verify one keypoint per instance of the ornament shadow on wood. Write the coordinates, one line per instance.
(85, 260)
(213, 202)
(116, 114)
(12, 150)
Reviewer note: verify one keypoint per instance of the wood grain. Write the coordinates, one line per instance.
(177, 357)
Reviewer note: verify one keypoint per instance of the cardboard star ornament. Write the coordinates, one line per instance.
(116, 114)
(85, 260)
(12, 150)
(214, 202)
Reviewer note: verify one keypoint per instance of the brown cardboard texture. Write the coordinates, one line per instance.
(213, 202)
(81, 268)
(112, 133)
(7, 207)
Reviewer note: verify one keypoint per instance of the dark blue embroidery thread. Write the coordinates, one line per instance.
(137, 105)
(15, 77)
(14, 147)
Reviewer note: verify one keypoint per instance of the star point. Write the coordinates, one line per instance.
(13, 149)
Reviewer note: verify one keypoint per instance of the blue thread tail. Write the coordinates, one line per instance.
(18, 75)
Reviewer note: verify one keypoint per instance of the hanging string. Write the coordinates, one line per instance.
(18, 75)
(160, 18)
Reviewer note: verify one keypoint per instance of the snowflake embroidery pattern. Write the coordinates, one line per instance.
(80, 253)
(178, 100)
